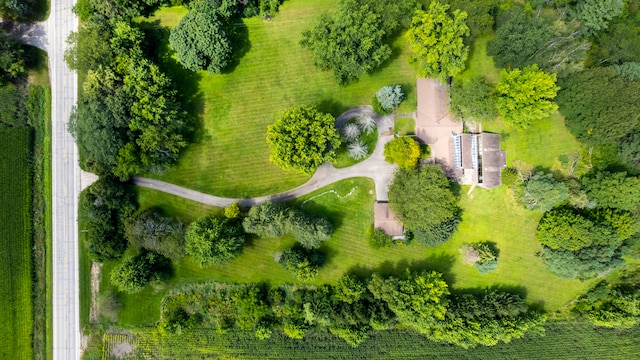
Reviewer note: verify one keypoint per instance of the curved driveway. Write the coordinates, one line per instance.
(374, 167)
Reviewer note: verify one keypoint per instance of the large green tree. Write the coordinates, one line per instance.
(422, 197)
(436, 40)
(151, 230)
(599, 106)
(619, 42)
(12, 65)
(134, 273)
(596, 14)
(629, 150)
(526, 95)
(472, 100)
(479, 14)
(613, 190)
(200, 39)
(519, 35)
(349, 42)
(543, 192)
(302, 139)
(213, 241)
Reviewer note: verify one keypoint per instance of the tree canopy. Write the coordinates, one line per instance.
(519, 35)
(472, 100)
(404, 151)
(543, 192)
(596, 14)
(213, 241)
(599, 106)
(422, 197)
(303, 138)
(12, 65)
(613, 190)
(135, 272)
(349, 43)
(151, 230)
(200, 40)
(526, 95)
(436, 40)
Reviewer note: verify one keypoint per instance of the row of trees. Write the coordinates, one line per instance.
(128, 119)
(353, 309)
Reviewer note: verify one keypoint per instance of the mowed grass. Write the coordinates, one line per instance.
(230, 156)
(16, 310)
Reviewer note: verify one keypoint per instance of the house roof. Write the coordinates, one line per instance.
(493, 160)
(385, 220)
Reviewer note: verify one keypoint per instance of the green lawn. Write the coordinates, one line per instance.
(479, 64)
(16, 308)
(230, 156)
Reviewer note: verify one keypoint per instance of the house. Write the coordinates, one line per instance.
(472, 158)
(385, 220)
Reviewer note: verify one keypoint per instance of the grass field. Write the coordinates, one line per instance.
(230, 155)
(16, 310)
(562, 341)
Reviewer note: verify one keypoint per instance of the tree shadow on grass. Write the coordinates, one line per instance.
(441, 263)
(239, 37)
(332, 106)
(185, 81)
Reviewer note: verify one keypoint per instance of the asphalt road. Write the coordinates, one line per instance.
(65, 186)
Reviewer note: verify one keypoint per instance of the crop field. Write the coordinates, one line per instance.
(16, 309)
(230, 156)
(562, 341)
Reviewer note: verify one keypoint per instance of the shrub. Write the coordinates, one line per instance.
(378, 239)
(152, 231)
(481, 256)
(350, 131)
(357, 150)
(367, 123)
(389, 98)
(232, 211)
(404, 151)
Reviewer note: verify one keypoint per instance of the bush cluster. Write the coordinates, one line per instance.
(272, 220)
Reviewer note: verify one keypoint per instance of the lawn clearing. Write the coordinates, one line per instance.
(230, 156)
(16, 309)
(479, 64)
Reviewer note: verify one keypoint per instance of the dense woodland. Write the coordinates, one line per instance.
(580, 58)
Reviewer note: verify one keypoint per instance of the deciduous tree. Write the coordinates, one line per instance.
(134, 273)
(213, 241)
(200, 40)
(526, 95)
(543, 192)
(472, 100)
(436, 40)
(302, 139)
(404, 151)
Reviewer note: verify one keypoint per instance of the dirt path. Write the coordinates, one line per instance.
(96, 269)
(374, 168)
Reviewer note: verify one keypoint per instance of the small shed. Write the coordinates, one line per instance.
(385, 220)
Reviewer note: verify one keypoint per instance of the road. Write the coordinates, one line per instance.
(65, 186)
(375, 168)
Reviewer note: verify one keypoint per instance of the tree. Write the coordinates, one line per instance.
(422, 197)
(213, 241)
(303, 264)
(106, 204)
(200, 40)
(599, 106)
(525, 95)
(134, 273)
(472, 100)
(618, 43)
(543, 192)
(479, 14)
(349, 289)
(613, 190)
(596, 14)
(566, 229)
(367, 123)
(151, 230)
(404, 151)
(566, 50)
(349, 43)
(629, 71)
(437, 41)
(12, 65)
(434, 235)
(519, 35)
(88, 48)
(387, 99)
(274, 220)
(419, 300)
(480, 255)
(629, 150)
(232, 211)
(302, 139)
(350, 131)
